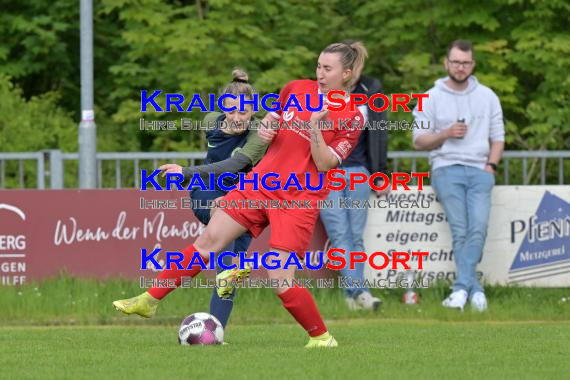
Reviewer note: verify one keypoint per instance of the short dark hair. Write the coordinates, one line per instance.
(462, 45)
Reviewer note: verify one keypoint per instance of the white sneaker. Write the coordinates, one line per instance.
(367, 302)
(364, 301)
(479, 301)
(456, 300)
(352, 305)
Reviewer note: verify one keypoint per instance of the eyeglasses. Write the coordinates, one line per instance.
(465, 64)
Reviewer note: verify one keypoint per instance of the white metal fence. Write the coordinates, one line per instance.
(56, 170)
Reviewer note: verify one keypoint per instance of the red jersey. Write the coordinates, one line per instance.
(290, 150)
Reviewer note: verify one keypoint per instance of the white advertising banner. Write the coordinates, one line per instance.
(528, 238)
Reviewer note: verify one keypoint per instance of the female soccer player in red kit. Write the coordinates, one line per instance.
(291, 150)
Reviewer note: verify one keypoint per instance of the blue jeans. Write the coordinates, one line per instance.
(465, 194)
(345, 227)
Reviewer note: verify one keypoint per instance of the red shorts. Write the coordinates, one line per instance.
(291, 228)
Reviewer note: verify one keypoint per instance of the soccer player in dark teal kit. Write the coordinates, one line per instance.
(232, 148)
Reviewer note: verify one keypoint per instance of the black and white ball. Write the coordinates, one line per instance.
(200, 328)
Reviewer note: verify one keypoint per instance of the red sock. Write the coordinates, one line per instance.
(300, 304)
(177, 274)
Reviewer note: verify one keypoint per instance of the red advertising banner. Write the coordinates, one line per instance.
(97, 233)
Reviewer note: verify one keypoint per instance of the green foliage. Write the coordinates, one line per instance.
(31, 125)
(34, 124)
(181, 46)
(521, 51)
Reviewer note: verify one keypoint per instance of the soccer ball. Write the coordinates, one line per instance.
(200, 328)
(411, 298)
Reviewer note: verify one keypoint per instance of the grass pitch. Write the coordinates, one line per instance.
(368, 349)
(65, 328)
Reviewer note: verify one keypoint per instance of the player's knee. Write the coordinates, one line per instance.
(205, 241)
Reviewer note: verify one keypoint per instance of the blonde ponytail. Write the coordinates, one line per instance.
(353, 55)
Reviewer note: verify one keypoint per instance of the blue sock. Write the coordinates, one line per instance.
(221, 308)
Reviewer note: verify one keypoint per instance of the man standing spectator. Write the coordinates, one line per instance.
(466, 142)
